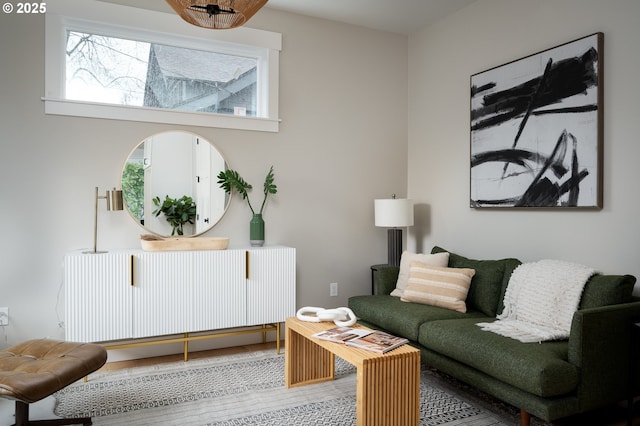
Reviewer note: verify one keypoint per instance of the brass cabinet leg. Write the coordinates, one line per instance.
(185, 347)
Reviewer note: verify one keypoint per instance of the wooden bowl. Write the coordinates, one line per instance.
(153, 243)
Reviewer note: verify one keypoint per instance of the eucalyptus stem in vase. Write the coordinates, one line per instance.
(230, 180)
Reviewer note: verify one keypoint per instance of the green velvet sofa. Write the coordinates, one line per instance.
(549, 380)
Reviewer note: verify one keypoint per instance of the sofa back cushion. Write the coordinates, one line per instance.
(602, 290)
(510, 265)
(489, 282)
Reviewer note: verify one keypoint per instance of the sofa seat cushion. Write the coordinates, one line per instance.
(402, 318)
(538, 368)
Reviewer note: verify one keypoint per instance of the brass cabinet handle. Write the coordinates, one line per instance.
(131, 277)
(246, 264)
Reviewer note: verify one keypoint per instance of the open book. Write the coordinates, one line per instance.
(371, 340)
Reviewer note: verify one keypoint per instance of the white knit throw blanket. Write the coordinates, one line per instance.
(540, 301)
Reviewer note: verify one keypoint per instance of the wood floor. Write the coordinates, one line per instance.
(610, 416)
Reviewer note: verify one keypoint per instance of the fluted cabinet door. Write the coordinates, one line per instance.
(162, 293)
(98, 297)
(271, 284)
(219, 290)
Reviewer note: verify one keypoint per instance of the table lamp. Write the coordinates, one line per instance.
(114, 202)
(394, 213)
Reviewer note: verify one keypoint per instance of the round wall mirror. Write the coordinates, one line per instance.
(170, 175)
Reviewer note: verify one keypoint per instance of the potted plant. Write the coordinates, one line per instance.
(230, 180)
(178, 212)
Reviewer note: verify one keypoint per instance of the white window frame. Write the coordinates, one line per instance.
(151, 26)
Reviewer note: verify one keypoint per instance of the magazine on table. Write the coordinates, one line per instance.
(371, 340)
(341, 334)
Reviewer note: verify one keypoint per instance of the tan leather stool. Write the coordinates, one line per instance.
(35, 369)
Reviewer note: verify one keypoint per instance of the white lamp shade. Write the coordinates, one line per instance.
(393, 212)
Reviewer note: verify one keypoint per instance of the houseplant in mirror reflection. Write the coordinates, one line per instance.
(178, 212)
(230, 180)
(133, 189)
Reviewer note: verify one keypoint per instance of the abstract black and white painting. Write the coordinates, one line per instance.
(536, 129)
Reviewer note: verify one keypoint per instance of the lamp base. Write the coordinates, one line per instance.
(394, 246)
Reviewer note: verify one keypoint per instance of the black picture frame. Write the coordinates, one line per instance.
(537, 130)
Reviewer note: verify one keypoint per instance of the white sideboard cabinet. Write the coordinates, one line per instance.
(132, 294)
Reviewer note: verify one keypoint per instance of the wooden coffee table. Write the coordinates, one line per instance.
(387, 385)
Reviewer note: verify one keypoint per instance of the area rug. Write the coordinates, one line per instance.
(244, 389)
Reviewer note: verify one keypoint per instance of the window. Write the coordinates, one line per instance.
(190, 75)
(128, 72)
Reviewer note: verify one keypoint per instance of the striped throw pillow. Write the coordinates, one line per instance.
(438, 286)
(437, 259)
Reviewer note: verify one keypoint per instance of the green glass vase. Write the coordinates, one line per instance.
(256, 230)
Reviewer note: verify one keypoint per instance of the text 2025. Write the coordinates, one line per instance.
(31, 7)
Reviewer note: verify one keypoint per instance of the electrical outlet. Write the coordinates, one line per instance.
(4, 316)
(333, 289)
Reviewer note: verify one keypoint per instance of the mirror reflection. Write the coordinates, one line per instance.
(178, 169)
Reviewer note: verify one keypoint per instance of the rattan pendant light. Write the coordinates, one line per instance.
(216, 14)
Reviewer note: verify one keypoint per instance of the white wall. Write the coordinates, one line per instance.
(342, 144)
(489, 33)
